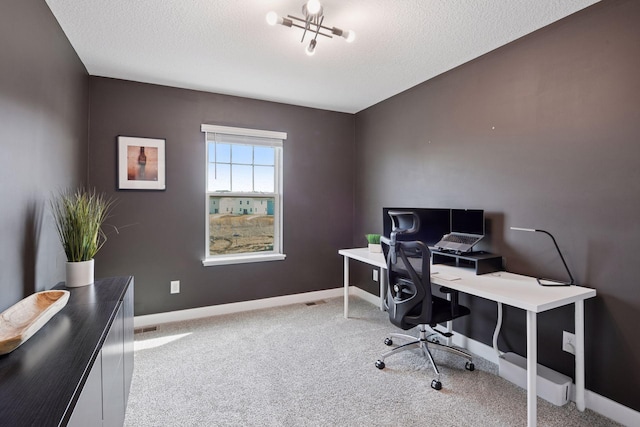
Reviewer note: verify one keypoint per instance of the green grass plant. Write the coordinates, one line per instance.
(79, 216)
(373, 238)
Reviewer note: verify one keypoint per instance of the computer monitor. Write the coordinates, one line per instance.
(469, 221)
(434, 223)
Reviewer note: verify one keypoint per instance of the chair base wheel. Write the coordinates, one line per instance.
(469, 366)
(388, 341)
(380, 364)
(436, 385)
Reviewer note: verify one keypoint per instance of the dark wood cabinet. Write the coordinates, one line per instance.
(77, 369)
(113, 404)
(87, 410)
(127, 308)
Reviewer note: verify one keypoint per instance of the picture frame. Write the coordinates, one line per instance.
(141, 163)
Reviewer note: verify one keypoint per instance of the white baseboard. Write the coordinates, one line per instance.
(236, 307)
(597, 403)
(593, 401)
(476, 347)
(610, 409)
(368, 297)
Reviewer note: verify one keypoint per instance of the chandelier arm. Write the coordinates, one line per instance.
(327, 28)
(311, 23)
(293, 24)
(318, 26)
(304, 33)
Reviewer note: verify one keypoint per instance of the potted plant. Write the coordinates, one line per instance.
(374, 242)
(79, 216)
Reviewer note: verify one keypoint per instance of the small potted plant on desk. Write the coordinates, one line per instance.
(374, 242)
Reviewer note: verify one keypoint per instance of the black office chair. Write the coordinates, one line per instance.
(409, 300)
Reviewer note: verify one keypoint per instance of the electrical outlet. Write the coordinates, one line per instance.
(375, 275)
(568, 342)
(175, 286)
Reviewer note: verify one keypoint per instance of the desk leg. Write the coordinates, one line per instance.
(382, 277)
(579, 325)
(345, 281)
(532, 368)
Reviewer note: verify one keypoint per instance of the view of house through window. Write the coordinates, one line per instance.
(241, 224)
(243, 192)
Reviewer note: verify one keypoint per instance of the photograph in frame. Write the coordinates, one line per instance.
(141, 163)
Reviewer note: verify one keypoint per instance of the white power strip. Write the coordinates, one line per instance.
(552, 386)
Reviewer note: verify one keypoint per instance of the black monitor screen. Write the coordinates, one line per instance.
(470, 221)
(434, 223)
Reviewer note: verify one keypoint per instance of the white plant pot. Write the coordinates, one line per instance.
(79, 273)
(375, 247)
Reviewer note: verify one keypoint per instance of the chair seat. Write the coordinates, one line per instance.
(442, 310)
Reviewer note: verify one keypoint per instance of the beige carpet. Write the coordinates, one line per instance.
(304, 365)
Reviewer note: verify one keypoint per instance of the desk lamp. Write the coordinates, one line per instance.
(549, 282)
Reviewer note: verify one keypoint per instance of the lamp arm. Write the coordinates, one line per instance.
(559, 253)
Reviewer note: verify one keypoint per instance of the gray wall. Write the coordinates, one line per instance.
(162, 234)
(542, 133)
(44, 94)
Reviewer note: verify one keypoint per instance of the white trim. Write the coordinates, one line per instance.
(476, 347)
(610, 409)
(243, 131)
(595, 402)
(242, 259)
(362, 294)
(277, 248)
(236, 307)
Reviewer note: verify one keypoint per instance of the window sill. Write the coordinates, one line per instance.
(242, 259)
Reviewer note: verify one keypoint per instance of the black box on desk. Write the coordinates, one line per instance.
(482, 262)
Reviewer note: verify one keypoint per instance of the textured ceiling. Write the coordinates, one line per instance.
(226, 46)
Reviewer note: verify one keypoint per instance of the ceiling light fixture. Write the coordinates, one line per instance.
(312, 22)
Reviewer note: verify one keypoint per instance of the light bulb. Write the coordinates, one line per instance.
(272, 18)
(313, 7)
(350, 36)
(311, 49)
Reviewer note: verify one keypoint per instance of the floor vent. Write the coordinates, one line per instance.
(147, 329)
(314, 303)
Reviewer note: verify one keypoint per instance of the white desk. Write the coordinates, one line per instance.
(511, 289)
(371, 258)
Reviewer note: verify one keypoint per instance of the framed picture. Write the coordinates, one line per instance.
(141, 163)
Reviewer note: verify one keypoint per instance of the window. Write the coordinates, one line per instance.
(243, 195)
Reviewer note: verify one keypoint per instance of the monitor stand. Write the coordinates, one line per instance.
(482, 262)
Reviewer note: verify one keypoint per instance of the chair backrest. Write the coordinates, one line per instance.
(409, 299)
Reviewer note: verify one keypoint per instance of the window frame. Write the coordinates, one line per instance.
(277, 253)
